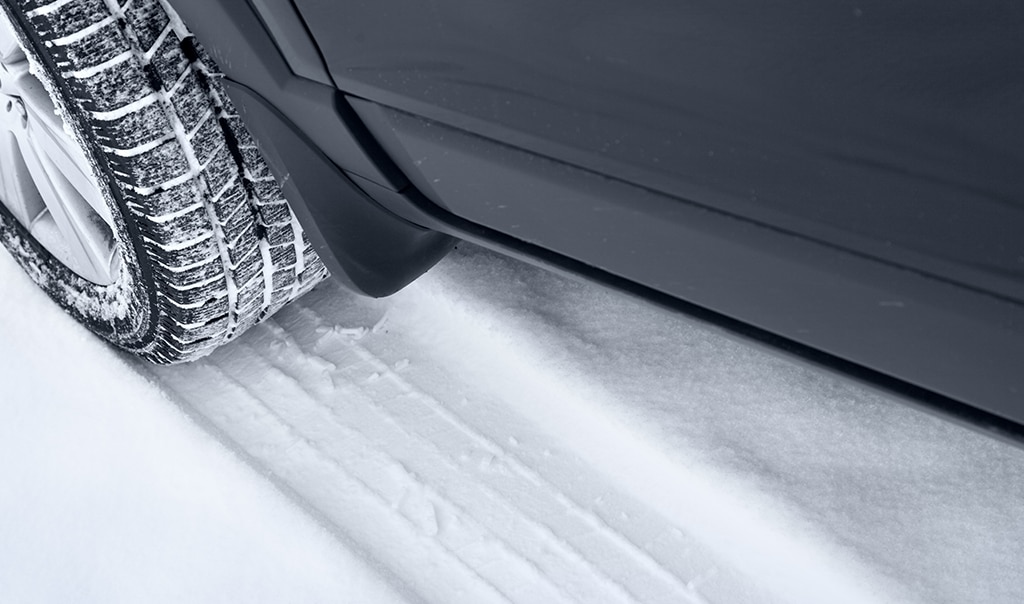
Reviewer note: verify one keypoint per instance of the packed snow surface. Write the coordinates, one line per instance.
(493, 433)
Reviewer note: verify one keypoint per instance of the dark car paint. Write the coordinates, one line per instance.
(951, 339)
(841, 176)
(892, 129)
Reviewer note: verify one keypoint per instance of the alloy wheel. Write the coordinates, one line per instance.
(46, 179)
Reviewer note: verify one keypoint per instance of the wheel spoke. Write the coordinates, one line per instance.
(47, 180)
(10, 49)
(86, 242)
(11, 168)
(47, 129)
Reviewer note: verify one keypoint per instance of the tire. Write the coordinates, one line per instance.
(208, 245)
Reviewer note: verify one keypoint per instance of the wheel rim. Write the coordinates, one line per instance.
(46, 180)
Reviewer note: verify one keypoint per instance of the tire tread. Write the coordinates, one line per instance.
(206, 203)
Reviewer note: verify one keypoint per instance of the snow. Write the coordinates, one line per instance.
(112, 494)
(492, 433)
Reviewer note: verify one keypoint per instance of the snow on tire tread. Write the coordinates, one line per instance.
(188, 171)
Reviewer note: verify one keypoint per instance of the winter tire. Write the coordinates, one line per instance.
(131, 192)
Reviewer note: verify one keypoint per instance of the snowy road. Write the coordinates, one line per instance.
(494, 433)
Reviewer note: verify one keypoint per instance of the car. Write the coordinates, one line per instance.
(842, 180)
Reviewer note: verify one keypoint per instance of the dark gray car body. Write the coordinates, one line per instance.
(842, 179)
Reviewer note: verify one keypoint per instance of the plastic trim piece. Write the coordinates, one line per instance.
(368, 249)
(289, 33)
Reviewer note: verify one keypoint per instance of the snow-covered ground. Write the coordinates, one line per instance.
(493, 433)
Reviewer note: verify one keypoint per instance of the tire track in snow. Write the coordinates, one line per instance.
(429, 493)
(348, 501)
(496, 477)
(680, 590)
(751, 531)
(497, 482)
(593, 585)
(544, 535)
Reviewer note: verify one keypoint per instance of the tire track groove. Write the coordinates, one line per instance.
(249, 407)
(498, 497)
(684, 588)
